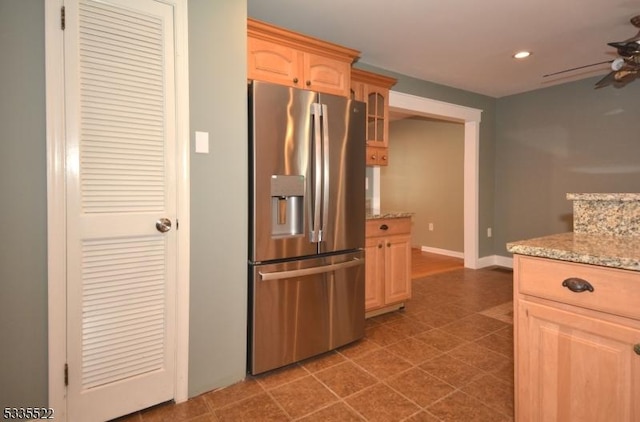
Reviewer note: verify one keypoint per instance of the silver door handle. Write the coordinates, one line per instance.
(310, 271)
(163, 225)
(316, 112)
(325, 172)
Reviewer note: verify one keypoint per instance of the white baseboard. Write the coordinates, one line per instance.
(489, 261)
(445, 252)
(486, 261)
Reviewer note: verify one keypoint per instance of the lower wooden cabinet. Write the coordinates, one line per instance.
(576, 358)
(388, 264)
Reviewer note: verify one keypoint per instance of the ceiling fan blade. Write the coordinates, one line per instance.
(607, 80)
(576, 68)
(625, 68)
(618, 78)
(626, 48)
(626, 75)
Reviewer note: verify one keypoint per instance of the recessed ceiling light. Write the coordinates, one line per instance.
(522, 55)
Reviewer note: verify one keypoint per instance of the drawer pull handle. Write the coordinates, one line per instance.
(384, 227)
(577, 285)
(636, 349)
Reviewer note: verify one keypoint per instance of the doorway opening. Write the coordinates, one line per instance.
(470, 117)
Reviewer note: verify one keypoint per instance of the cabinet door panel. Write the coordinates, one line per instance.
(377, 116)
(326, 75)
(398, 268)
(572, 367)
(272, 62)
(374, 273)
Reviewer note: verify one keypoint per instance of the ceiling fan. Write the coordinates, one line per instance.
(626, 67)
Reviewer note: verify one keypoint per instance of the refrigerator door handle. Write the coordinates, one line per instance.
(325, 170)
(309, 271)
(316, 111)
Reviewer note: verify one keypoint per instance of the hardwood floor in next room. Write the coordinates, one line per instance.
(448, 356)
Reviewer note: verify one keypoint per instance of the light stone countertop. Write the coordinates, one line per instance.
(371, 215)
(624, 197)
(606, 213)
(622, 252)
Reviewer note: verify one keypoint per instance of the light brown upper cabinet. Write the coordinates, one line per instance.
(285, 57)
(374, 89)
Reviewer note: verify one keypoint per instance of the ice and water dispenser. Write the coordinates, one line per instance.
(287, 205)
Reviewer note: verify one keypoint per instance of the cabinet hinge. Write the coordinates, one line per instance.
(177, 224)
(66, 374)
(62, 18)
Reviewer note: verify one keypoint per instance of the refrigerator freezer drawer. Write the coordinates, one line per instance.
(304, 308)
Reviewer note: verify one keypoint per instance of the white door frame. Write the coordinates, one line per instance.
(471, 118)
(56, 200)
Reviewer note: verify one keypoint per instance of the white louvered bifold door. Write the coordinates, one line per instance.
(120, 126)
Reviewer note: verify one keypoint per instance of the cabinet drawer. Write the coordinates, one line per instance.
(393, 226)
(614, 291)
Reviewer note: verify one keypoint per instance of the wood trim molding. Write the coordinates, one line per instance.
(265, 31)
(361, 75)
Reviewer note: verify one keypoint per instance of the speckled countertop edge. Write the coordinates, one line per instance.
(603, 197)
(621, 252)
(387, 214)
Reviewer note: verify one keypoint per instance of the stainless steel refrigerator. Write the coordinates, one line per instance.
(307, 219)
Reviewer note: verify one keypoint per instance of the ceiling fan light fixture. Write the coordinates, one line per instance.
(626, 67)
(522, 55)
(617, 64)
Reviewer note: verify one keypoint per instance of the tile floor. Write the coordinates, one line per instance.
(448, 356)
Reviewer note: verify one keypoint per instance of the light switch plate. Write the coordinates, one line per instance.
(202, 142)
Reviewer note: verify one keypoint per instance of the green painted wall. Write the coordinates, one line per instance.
(219, 194)
(23, 207)
(565, 138)
(426, 176)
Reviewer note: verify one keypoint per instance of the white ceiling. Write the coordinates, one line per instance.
(466, 44)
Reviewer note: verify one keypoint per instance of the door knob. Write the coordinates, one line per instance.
(163, 225)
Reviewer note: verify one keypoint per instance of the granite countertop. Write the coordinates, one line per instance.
(621, 252)
(623, 197)
(374, 215)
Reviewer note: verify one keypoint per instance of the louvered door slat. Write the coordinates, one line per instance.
(118, 49)
(128, 84)
(110, 90)
(113, 290)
